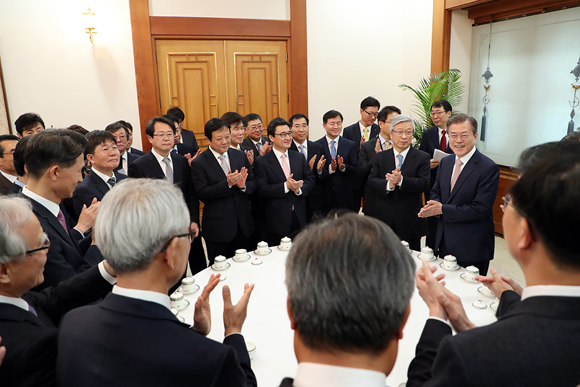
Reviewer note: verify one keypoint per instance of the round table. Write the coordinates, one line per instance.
(268, 326)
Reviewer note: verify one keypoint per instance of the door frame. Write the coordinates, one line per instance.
(147, 29)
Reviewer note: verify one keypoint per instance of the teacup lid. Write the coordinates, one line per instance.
(220, 258)
(450, 258)
(176, 296)
(405, 243)
(241, 251)
(472, 269)
(286, 239)
(427, 250)
(188, 281)
(262, 244)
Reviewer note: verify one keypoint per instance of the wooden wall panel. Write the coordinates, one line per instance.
(206, 26)
(441, 37)
(298, 64)
(507, 176)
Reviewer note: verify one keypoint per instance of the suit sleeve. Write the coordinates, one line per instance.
(236, 370)
(364, 166)
(351, 161)
(251, 183)
(308, 177)
(191, 198)
(135, 171)
(205, 192)
(265, 188)
(435, 193)
(81, 195)
(419, 183)
(508, 300)
(376, 183)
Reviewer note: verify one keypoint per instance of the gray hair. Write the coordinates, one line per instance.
(349, 283)
(401, 118)
(135, 219)
(15, 212)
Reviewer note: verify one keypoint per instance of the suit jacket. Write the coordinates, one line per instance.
(224, 207)
(131, 158)
(539, 334)
(467, 219)
(65, 256)
(250, 144)
(148, 166)
(141, 343)
(16, 189)
(430, 142)
(5, 185)
(352, 132)
(278, 205)
(184, 149)
(315, 198)
(339, 185)
(137, 152)
(188, 138)
(91, 187)
(365, 158)
(31, 340)
(399, 208)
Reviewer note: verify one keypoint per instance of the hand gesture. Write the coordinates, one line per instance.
(362, 140)
(202, 312)
(378, 146)
(294, 185)
(429, 288)
(243, 176)
(455, 312)
(340, 161)
(267, 147)
(434, 163)
(320, 164)
(431, 209)
(235, 315)
(233, 177)
(499, 283)
(393, 178)
(87, 216)
(250, 156)
(2, 352)
(311, 163)
(190, 159)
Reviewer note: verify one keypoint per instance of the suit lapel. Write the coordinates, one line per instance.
(275, 166)
(409, 161)
(99, 183)
(211, 160)
(234, 161)
(467, 169)
(44, 213)
(14, 313)
(154, 166)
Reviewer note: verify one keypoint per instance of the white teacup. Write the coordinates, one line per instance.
(188, 284)
(427, 253)
(262, 248)
(285, 243)
(471, 272)
(241, 253)
(251, 349)
(450, 262)
(220, 262)
(177, 300)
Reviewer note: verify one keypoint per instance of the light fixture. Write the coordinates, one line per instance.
(90, 19)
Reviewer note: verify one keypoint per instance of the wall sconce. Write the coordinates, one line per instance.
(90, 19)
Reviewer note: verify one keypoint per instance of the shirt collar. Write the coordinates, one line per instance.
(236, 147)
(159, 157)
(304, 144)
(441, 132)
(467, 157)
(404, 153)
(217, 155)
(144, 295)
(329, 140)
(51, 206)
(279, 154)
(19, 302)
(11, 178)
(362, 127)
(104, 177)
(551, 290)
(383, 140)
(314, 374)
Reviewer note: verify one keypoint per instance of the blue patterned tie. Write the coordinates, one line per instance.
(303, 151)
(400, 158)
(332, 149)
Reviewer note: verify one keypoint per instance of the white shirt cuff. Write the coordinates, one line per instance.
(286, 190)
(440, 319)
(106, 276)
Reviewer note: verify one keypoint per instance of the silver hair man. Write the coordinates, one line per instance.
(401, 118)
(15, 213)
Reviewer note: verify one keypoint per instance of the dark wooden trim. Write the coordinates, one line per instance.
(462, 4)
(298, 59)
(504, 9)
(441, 37)
(205, 26)
(144, 65)
(507, 176)
(3, 84)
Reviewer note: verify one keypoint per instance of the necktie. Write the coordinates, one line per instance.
(400, 158)
(443, 141)
(303, 151)
(174, 150)
(168, 169)
(285, 166)
(112, 181)
(60, 218)
(224, 164)
(366, 133)
(259, 146)
(456, 173)
(332, 149)
(386, 145)
(32, 310)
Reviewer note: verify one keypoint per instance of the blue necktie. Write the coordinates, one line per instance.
(332, 149)
(303, 151)
(400, 158)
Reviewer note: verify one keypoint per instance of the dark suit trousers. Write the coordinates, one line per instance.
(227, 249)
(274, 239)
(483, 266)
(197, 261)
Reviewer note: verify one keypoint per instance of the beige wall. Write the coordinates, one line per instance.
(246, 9)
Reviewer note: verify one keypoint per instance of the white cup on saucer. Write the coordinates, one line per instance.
(262, 248)
(450, 262)
(285, 243)
(177, 300)
(241, 253)
(471, 272)
(220, 262)
(427, 253)
(188, 284)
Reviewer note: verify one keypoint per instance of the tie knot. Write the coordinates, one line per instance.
(283, 156)
(443, 132)
(333, 142)
(221, 157)
(112, 181)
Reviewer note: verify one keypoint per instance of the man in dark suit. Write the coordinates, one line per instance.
(399, 177)
(121, 134)
(336, 333)
(187, 136)
(223, 180)
(463, 197)
(436, 138)
(178, 146)
(341, 165)
(130, 148)
(54, 160)
(371, 147)
(7, 172)
(134, 338)
(259, 144)
(314, 155)
(542, 331)
(18, 160)
(28, 319)
(237, 133)
(284, 181)
(101, 151)
(161, 163)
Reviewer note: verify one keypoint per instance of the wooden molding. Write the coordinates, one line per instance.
(502, 9)
(205, 26)
(461, 4)
(298, 62)
(441, 37)
(507, 176)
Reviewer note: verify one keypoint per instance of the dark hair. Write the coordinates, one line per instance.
(252, 117)
(79, 129)
(572, 136)
(461, 118)
(530, 156)
(547, 195)
(6, 137)
(27, 120)
(127, 125)
(214, 125)
(53, 147)
(176, 112)
(96, 138)
(171, 118)
(232, 117)
(331, 114)
(18, 156)
(150, 128)
(297, 117)
(369, 101)
(275, 123)
(444, 104)
(112, 128)
(384, 113)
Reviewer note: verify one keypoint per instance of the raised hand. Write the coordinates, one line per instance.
(202, 311)
(235, 315)
(311, 162)
(87, 216)
(243, 176)
(320, 164)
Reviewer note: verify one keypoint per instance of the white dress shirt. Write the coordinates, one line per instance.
(464, 160)
(316, 375)
(362, 130)
(160, 161)
(551, 291)
(104, 177)
(305, 145)
(144, 295)
(11, 178)
(404, 154)
(279, 158)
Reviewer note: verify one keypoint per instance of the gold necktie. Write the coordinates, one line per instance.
(366, 133)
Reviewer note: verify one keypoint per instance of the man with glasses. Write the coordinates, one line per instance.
(284, 181)
(436, 138)
(187, 136)
(28, 319)
(462, 199)
(398, 178)
(8, 173)
(121, 134)
(255, 141)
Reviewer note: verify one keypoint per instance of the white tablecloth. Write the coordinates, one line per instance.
(268, 326)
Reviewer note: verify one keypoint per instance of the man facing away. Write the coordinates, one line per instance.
(347, 327)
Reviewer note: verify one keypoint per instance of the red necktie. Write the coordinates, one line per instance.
(62, 221)
(443, 142)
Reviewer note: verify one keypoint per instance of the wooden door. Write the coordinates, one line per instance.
(206, 78)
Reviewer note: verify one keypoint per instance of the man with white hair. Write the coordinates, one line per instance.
(131, 338)
(399, 176)
(28, 319)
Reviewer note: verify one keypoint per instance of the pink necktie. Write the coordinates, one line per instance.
(456, 173)
(285, 166)
(60, 218)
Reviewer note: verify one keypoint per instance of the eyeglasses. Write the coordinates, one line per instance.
(284, 134)
(408, 133)
(372, 114)
(255, 127)
(190, 235)
(164, 135)
(45, 245)
(437, 113)
(464, 136)
(9, 153)
(121, 137)
(506, 202)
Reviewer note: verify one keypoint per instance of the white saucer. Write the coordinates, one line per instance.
(493, 306)
(471, 281)
(484, 293)
(281, 249)
(183, 307)
(269, 251)
(428, 260)
(479, 304)
(248, 256)
(225, 268)
(256, 262)
(190, 292)
(441, 265)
